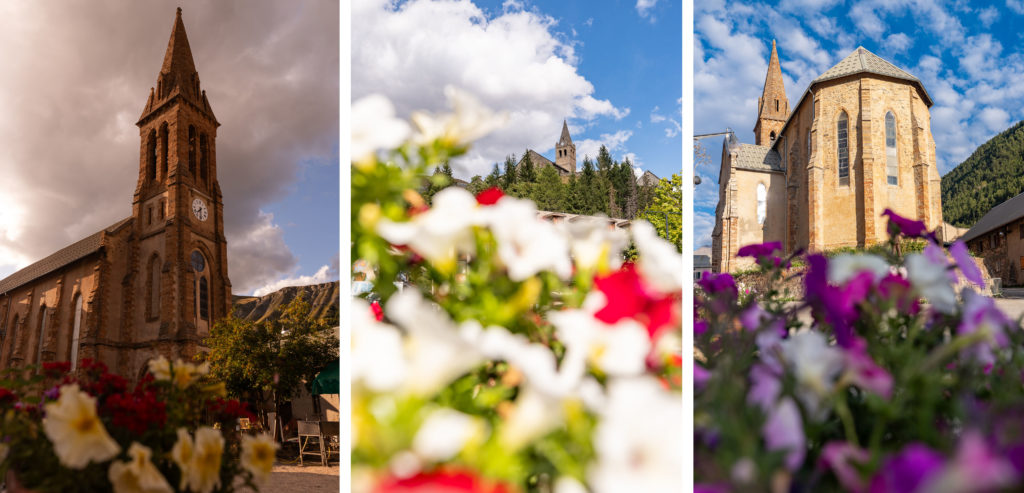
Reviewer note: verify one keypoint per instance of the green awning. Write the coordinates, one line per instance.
(327, 381)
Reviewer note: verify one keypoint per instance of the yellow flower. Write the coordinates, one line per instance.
(204, 473)
(137, 475)
(182, 453)
(160, 368)
(181, 373)
(258, 455)
(77, 434)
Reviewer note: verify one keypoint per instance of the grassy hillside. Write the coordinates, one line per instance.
(993, 174)
(323, 299)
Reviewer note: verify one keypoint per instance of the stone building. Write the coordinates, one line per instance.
(820, 173)
(998, 238)
(150, 284)
(565, 156)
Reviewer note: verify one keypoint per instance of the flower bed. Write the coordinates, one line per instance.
(904, 380)
(90, 431)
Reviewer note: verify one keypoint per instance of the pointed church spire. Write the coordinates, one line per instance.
(178, 75)
(772, 106)
(565, 138)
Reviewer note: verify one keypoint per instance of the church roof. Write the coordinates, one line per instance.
(998, 216)
(757, 158)
(539, 160)
(65, 256)
(774, 90)
(862, 60)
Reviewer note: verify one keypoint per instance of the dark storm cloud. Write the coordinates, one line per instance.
(76, 76)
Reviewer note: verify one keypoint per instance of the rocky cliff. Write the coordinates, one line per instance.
(323, 299)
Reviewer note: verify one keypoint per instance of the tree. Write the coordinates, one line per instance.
(441, 179)
(604, 160)
(493, 179)
(509, 178)
(273, 359)
(667, 205)
(573, 203)
(549, 192)
(526, 172)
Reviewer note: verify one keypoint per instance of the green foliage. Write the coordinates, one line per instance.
(442, 178)
(476, 185)
(526, 172)
(993, 174)
(277, 356)
(509, 178)
(494, 178)
(666, 210)
(549, 192)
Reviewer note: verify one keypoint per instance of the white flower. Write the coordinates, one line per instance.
(435, 353)
(160, 368)
(442, 232)
(199, 460)
(616, 350)
(526, 244)
(181, 373)
(844, 267)
(658, 260)
(634, 440)
(444, 433)
(138, 474)
(533, 416)
(374, 127)
(814, 364)
(378, 360)
(258, 455)
(595, 246)
(77, 434)
(568, 484)
(931, 279)
(470, 121)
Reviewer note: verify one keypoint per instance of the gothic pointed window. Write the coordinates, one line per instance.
(44, 319)
(153, 288)
(76, 333)
(13, 337)
(843, 150)
(204, 299)
(163, 149)
(762, 203)
(771, 136)
(151, 156)
(891, 159)
(192, 150)
(203, 157)
(808, 145)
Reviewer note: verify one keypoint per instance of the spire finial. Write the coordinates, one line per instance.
(179, 11)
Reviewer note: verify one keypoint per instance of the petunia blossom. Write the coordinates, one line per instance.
(840, 457)
(976, 467)
(966, 263)
(258, 455)
(930, 278)
(784, 430)
(77, 434)
(980, 315)
(137, 474)
(470, 120)
(629, 297)
(762, 252)
(908, 470)
(864, 372)
(907, 227)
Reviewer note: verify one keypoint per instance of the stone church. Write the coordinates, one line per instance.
(150, 284)
(565, 156)
(820, 174)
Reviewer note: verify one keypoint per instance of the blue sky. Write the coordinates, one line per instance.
(612, 69)
(967, 55)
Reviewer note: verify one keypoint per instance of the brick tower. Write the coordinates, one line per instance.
(565, 150)
(772, 106)
(180, 255)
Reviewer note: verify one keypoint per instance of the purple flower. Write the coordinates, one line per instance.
(966, 263)
(762, 252)
(714, 284)
(764, 387)
(907, 227)
(896, 288)
(838, 456)
(906, 471)
(52, 393)
(981, 314)
(784, 430)
(976, 467)
(836, 305)
(864, 372)
(700, 376)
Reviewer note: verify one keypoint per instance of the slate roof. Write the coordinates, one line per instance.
(1000, 215)
(701, 262)
(863, 61)
(757, 158)
(65, 256)
(539, 161)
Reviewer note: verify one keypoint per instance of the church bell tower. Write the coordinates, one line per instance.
(772, 106)
(565, 150)
(180, 251)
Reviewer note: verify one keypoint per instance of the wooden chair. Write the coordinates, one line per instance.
(309, 430)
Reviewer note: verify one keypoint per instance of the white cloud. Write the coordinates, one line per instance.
(613, 142)
(996, 119)
(988, 15)
(643, 7)
(703, 226)
(322, 275)
(898, 42)
(672, 129)
(516, 61)
(1016, 6)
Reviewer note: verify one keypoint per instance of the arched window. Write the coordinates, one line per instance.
(192, 150)
(13, 337)
(76, 331)
(203, 156)
(776, 105)
(164, 140)
(808, 145)
(771, 136)
(843, 150)
(762, 203)
(44, 318)
(201, 289)
(891, 159)
(151, 156)
(153, 288)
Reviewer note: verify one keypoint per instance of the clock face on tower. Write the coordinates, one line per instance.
(199, 209)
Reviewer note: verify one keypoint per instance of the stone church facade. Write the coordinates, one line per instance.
(565, 156)
(153, 283)
(820, 174)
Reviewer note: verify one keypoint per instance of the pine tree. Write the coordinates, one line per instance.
(573, 197)
(476, 185)
(632, 201)
(604, 159)
(667, 204)
(549, 192)
(526, 172)
(509, 178)
(440, 179)
(493, 179)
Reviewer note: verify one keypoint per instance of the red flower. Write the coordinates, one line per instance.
(442, 481)
(629, 298)
(7, 396)
(135, 411)
(490, 196)
(229, 410)
(56, 369)
(378, 312)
